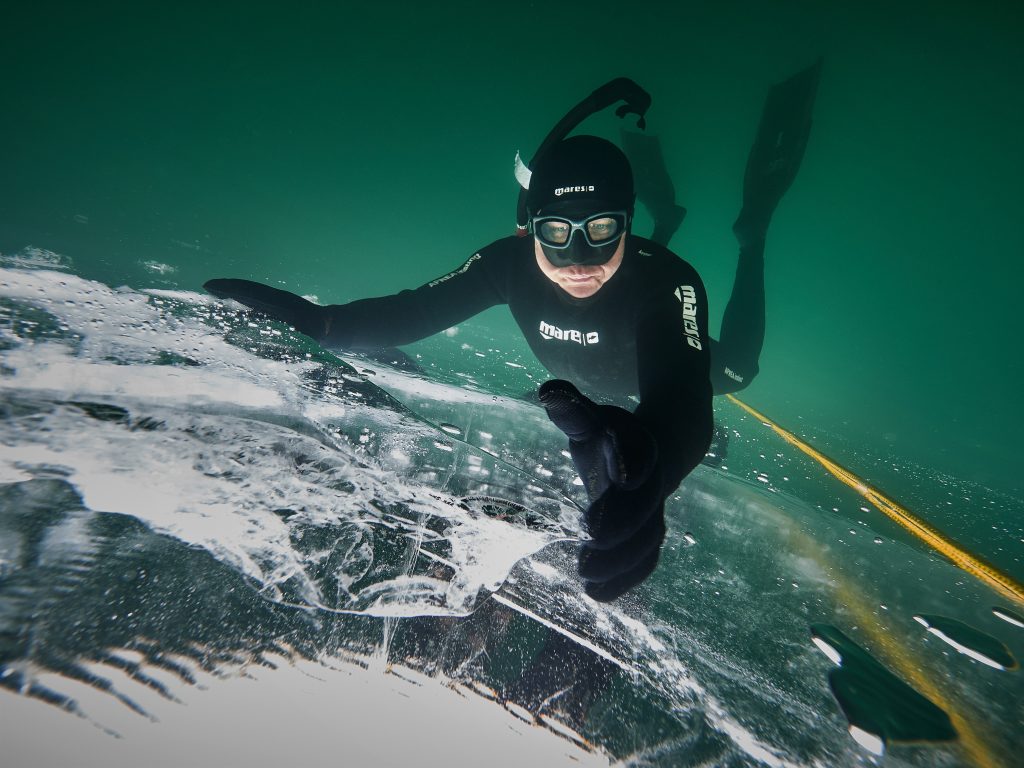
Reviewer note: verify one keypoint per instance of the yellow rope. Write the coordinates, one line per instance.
(919, 528)
(973, 733)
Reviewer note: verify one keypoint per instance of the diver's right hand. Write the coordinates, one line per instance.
(305, 316)
(617, 460)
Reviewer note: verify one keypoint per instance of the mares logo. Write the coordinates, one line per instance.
(548, 331)
(562, 190)
(688, 297)
(461, 270)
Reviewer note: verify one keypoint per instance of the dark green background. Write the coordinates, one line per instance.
(345, 150)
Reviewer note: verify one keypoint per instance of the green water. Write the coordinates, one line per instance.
(351, 150)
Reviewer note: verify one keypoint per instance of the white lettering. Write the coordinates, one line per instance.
(548, 331)
(461, 270)
(562, 190)
(733, 375)
(688, 298)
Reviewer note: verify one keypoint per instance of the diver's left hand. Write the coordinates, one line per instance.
(617, 459)
(302, 314)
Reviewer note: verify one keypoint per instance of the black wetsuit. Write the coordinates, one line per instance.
(643, 334)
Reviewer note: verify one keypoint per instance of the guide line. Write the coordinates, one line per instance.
(916, 526)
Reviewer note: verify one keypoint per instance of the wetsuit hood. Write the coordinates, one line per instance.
(578, 177)
(581, 168)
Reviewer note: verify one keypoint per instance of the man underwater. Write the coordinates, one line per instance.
(611, 315)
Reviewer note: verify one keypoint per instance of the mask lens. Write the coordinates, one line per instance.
(557, 231)
(554, 231)
(602, 228)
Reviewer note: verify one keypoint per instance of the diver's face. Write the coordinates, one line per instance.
(581, 281)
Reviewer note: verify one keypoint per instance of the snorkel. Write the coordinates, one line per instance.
(638, 101)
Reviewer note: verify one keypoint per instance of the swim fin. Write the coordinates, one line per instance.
(654, 187)
(777, 151)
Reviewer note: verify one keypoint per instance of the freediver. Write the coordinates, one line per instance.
(607, 312)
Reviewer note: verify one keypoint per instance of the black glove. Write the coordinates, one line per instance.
(617, 459)
(305, 316)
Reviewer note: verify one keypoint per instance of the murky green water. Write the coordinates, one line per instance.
(315, 147)
(353, 151)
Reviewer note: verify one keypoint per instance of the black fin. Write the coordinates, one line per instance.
(778, 150)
